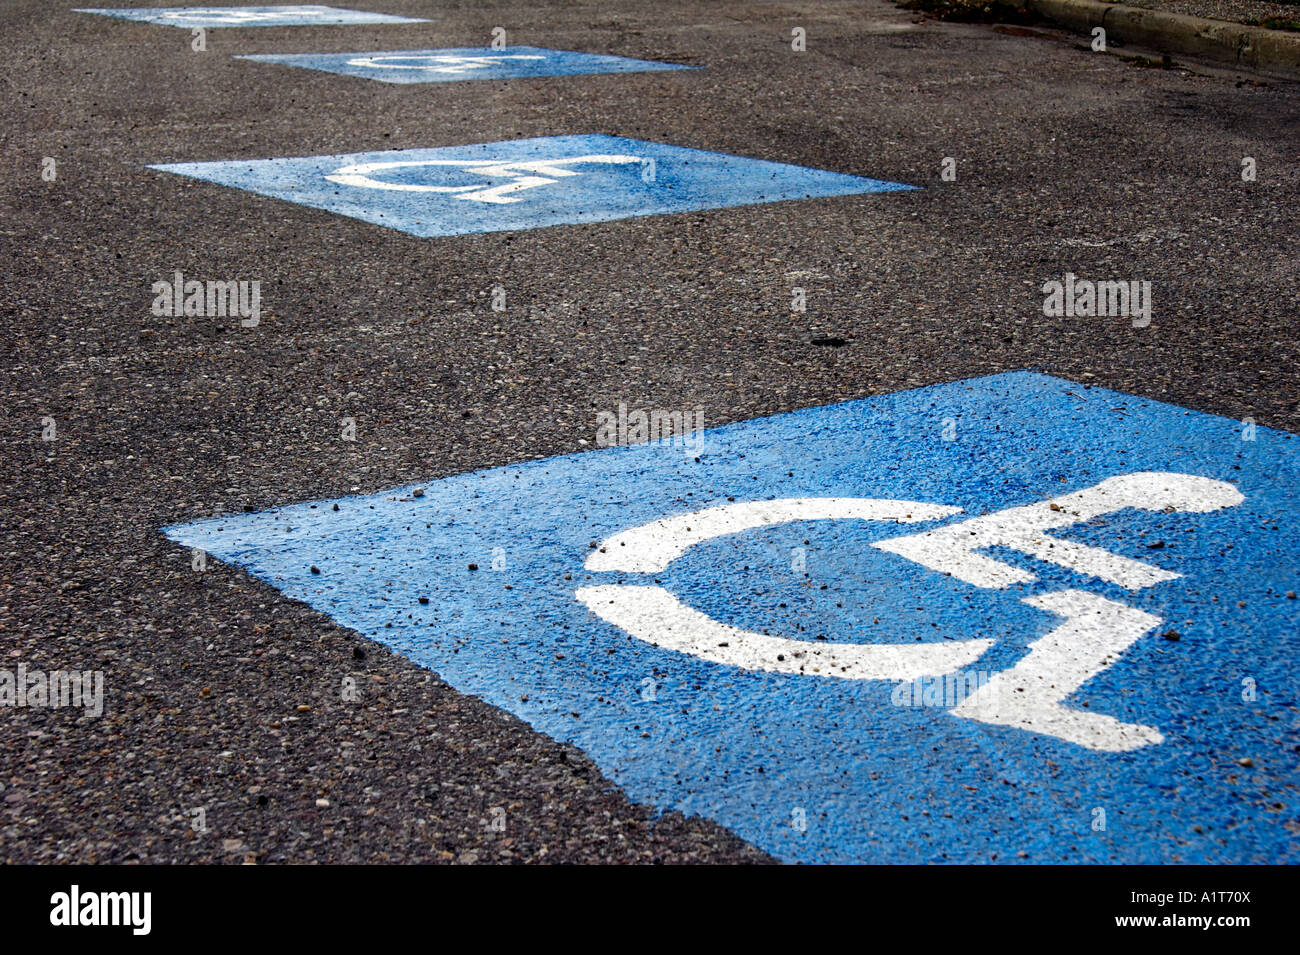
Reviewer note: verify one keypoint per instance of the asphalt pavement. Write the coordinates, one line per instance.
(223, 738)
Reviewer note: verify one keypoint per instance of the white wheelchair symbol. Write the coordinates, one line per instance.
(228, 15)
(436, 63)
(524, 175)
(1095, 630)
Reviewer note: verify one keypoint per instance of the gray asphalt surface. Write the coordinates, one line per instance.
(223, 695)
(1239, 11)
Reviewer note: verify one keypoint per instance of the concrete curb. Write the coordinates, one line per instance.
(1253, 48)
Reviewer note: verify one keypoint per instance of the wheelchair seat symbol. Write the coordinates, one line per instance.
(1094, 633)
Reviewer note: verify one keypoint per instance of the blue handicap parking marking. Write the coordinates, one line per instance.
(464, 63)
(526, 183)
(1008, 618)
(280, 15)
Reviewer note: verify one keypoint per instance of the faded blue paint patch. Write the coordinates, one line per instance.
(464, 63)
(822, 769)
(280, 15)
(525, 183)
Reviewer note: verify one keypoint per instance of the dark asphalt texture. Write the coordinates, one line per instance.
(1067, 161)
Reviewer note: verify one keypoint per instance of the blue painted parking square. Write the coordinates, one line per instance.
(463, 63)
(1004, 619)
(526, 183)
(280, 15)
